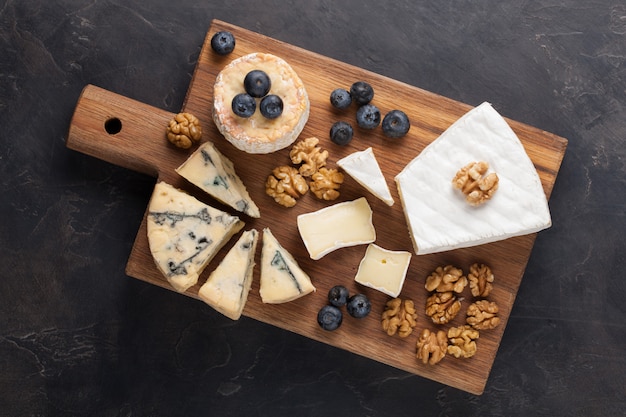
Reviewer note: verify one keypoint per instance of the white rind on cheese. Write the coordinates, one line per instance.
(383, 270)
(364, 168)
(337, 226)
(257, 134)
(184, 234)
(437, 215)
(282, 279)
(227, 288)
(208, 169)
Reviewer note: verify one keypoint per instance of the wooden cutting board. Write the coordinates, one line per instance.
(131, 134)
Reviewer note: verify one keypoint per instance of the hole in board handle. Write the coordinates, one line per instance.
(113, 126)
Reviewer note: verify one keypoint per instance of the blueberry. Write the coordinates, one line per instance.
(359, 306)
(361, 92)
(257, 83)
(340, 98)
(223, 43)
(329, 317)
(338, 295)
(368, 116)
(243, 105)
(341, 133)
(396, 124)
(271, 106)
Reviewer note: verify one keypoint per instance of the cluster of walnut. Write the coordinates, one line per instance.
(184, 130)
(399, 317)
(472, 181)
(286, 183)
(446, 283)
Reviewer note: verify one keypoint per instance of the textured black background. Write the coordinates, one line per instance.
(78, 337)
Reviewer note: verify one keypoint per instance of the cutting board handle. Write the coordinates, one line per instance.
(119, 130)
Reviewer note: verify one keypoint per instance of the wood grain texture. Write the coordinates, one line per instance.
(141, 145)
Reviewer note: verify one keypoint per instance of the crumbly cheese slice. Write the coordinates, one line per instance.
(210, 170)
(364, 168)
(227, 288)
(337, 226)
(282, 279)
(437, 215)
(184, 234)
(384, 270)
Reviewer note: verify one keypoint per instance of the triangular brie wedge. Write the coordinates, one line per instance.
(208, 169)
(184, 234)
(226, 289)
(364, 168)
(438, 216)
(282, 280)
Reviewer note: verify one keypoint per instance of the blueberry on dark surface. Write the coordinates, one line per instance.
(359, 306)
(243, 105)
(329, 317)
(361, 92)
(271, 106)
(223, 43)
(257, 83)
(341, 133)
(368, 116)
(338, 295)
(396, 124)
(340, 98)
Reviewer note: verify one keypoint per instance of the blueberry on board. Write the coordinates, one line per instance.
(243, 105)
(329, 317)
(338, 296)
(396, 124)
(257, 83)
(340, 98)
(368, 116)
(223, 43)
(341, 133)
(359, 306)
(361, 92)
(271, 106)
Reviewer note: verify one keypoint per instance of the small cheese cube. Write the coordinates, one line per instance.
(384, 270)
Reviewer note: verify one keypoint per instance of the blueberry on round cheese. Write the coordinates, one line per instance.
(271, 106)
(329, 318)
(223, 42)
(257, 83)
(396, 124)
(243, 105)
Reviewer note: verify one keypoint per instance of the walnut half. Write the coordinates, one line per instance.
(325, 183)
(285, 185)
(431, 346)
(442, 307)
(480, 280)
(184, 130)
(483, 315)
(446, 278)
(311, 156)
(462, 341)
(399, 317)
(472, 181)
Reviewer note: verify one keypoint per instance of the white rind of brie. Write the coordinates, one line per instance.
(438, 216)
(364, 168)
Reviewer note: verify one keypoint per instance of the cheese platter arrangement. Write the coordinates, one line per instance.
(387, 220)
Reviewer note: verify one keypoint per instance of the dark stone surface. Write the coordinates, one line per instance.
(78, 337)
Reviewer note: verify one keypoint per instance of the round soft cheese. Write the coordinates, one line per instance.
(258, 134)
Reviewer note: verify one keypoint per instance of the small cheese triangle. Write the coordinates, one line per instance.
(282, 280)
(208, 169)
(364, 168)
(438, 216)
(226, 289)
(184, 234)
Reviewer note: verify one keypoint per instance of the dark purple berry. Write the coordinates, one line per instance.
(243, 105)
(341, 133)
(257, 83)
(223, 43)
(359, 306)
(368, 116)
(340, 98)
(329, 317)
(361, 92)
(338, 295)
(271, 106)
(396, 124)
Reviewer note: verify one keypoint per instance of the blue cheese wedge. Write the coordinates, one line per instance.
(364, 168)
(227, 288)
(282, 279)
(337, 226)
(384, 270)
(438, 216)
(210, 170)
(184, 234)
